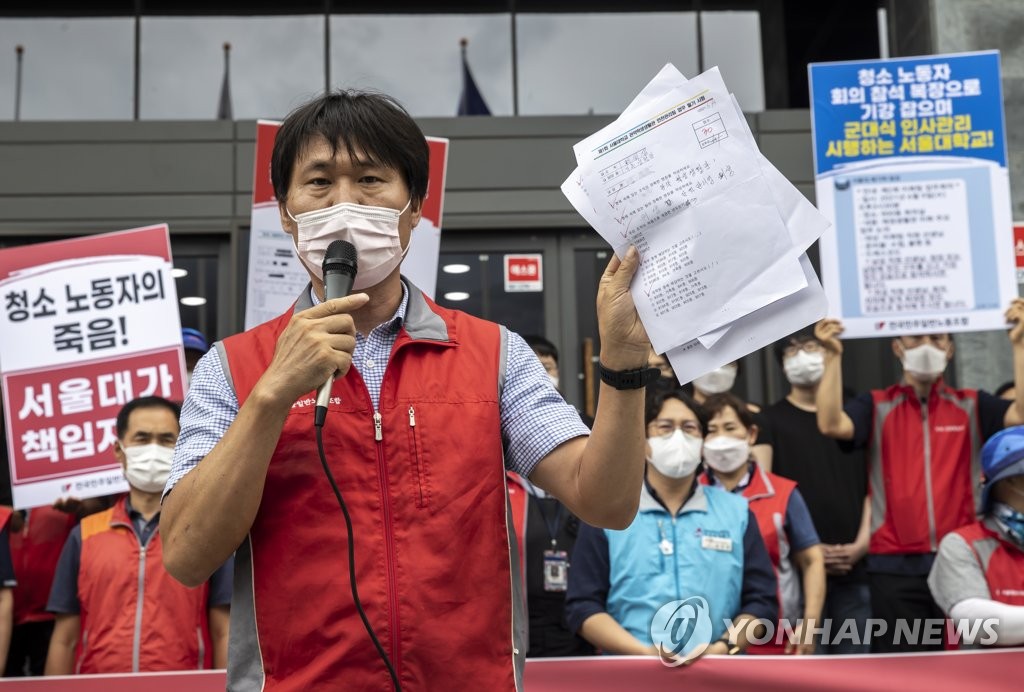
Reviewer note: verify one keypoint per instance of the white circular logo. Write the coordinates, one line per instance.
(681, 630)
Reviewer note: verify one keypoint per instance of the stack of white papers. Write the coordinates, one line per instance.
(720, 231)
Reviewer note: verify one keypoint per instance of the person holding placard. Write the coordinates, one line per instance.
(923, 439)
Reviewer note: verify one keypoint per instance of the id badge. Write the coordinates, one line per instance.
(556, 570)
(716, 543)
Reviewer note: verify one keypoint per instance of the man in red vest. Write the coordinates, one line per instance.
(118, 611)
(923, 439)
(427, 410)
(978, 575)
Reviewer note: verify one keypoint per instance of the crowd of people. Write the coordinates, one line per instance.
(490, 525)
(889, 507)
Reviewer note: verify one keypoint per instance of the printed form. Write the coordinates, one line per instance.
(719, 230)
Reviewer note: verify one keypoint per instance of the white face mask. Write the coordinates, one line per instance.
(675, 456)
(372, 230)
(717, 381)
(554, 380)
(804, 368)
(924, 362)
(726, 454)
(148, 466)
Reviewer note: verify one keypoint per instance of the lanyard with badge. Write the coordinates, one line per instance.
(556, 562)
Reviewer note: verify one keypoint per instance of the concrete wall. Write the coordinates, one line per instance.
(64, 179)
(503, 173)
(984, 358)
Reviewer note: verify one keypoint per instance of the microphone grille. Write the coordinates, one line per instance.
(340, 252)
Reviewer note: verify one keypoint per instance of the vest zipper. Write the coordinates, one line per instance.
(137, 637)
(84, 652)
(928, 478)
(421, 478)
(382, 474)
(202, 648)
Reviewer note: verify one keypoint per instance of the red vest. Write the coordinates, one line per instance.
(424, 481)
(924, 467)
(768, 495)
(1002, 562)
(519, 501)
(120, 582)
(35, 551)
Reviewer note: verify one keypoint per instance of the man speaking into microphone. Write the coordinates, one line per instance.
(427, 410)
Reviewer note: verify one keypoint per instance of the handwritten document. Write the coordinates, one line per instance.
(719, 230)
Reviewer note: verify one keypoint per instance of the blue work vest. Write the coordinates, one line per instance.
(705, 560)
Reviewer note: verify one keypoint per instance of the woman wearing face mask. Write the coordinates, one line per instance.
(775, 501)
(720, 381)
(687, 540)
(922, 439)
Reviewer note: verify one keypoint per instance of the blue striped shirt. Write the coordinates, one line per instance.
(535, 419)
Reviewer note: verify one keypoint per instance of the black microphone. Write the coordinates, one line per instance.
(339, 267)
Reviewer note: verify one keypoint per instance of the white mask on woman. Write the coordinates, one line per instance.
(924, 362)
(717, 381)
(372, 230)
(804, 369)
(676, 455)
(148, 466)
(726, 454)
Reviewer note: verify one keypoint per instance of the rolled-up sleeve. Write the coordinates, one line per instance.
(535, 419)
(209, 409)
(589, 577)
(760, 587)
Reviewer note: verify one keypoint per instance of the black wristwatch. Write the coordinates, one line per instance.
(628, 379)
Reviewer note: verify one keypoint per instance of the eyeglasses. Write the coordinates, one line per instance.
(665, 427)
(808, 346)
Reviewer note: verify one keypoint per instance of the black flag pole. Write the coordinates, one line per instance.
(224, 110)
(19, 52)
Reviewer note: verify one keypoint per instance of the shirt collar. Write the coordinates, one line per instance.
(390, 326)
(741, 486)
(649, 500)
(133, 513)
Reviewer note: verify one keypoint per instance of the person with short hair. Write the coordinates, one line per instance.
(547, 354)
(721, 381)
(688, 541)
(978, 574)
(195, 345)
(118, 610)
(832, 481)
(782, 517)
(427, 410)
(923, 439)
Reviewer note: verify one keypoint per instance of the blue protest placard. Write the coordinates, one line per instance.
(910, 167)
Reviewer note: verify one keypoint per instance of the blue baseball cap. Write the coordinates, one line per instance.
(194, 340)
(1001, 457)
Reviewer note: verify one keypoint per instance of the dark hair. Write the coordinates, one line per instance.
(795, 339)
(1002, 389)
(374, 123)
(143, 402)
(657, 397)
(716, 403)
(541, 346)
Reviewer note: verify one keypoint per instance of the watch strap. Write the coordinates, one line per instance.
(628, 379)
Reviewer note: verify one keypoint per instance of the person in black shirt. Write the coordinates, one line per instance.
(834, 485)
